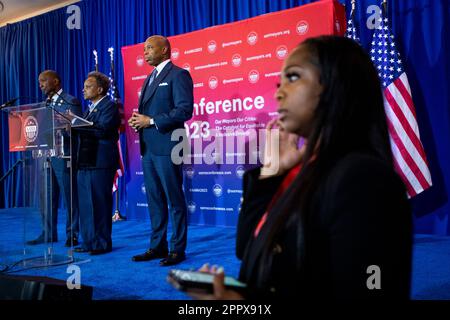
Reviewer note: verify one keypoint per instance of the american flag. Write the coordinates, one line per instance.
(115, 96)
(351, 31)
(409, 156)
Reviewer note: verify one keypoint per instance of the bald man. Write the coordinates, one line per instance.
(166, 102)
(61, 101)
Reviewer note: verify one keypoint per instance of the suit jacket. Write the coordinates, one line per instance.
(63, 103)
(169, 101)
(98, 144)
(66, 102)
(359, 217)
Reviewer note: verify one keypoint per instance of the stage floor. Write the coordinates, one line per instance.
(114, 276)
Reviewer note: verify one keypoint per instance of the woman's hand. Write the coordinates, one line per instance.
(220, 292)
(281, 150)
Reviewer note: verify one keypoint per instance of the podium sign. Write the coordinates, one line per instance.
(30, 128)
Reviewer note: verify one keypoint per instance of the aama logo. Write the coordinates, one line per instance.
(240, 171)
(252, 38)
(191, 206)
(302, 27)
(189, 171)
(217, 189)
(253, 76)
(143, 188)
(175, 54)
(140, 61)
(213, 82)
(236, 60)
(282, 52)
(212, 46)
(31, 128)
(187, 67)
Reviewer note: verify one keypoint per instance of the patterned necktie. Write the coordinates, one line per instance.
(152, 77)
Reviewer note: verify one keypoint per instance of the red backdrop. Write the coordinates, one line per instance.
(235, 68)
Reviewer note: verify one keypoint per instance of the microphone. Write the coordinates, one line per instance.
(12, 101)
(9, 103)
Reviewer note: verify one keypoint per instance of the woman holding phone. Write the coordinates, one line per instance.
(332, 221)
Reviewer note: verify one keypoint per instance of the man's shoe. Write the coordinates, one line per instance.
(172, 259)
(36, 241)
(71, 242)
(149, 255)
(80, 250)
(99, 251)
(40, 240)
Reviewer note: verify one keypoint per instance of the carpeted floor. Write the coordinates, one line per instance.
(115, 276)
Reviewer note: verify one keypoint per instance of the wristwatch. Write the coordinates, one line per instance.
(152, 122)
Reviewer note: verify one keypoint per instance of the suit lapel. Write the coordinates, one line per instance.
(95, 110)
(58, 104)
(143, 91)
(62, 97)
(86, 113)
(148, 93)
(91, 114)
(256, 245)
(254, 251)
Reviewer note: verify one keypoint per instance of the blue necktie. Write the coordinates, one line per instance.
(152, 77)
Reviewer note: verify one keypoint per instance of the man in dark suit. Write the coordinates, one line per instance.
(59, 177)
(166, 102)
(98, 160)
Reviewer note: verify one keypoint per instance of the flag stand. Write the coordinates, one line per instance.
(117, 216)
(116, 97)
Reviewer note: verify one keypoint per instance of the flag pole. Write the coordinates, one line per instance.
(117, 216)
(384, 5)
(95, 59)
(351, 24)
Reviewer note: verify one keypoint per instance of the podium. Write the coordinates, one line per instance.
(41, 135)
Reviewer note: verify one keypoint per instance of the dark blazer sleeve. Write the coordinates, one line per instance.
(70, 103)
(97, 148)
(257, 195)
(183, 100)
(75, 105)
(368, 220)
(106, 125)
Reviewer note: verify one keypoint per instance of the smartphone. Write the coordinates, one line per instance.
(201, 282)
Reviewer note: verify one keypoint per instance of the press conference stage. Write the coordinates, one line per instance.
(114, 276)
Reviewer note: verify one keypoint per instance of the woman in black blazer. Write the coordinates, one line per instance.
(330, 220)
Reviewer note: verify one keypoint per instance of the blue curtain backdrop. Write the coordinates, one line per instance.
(45, 42)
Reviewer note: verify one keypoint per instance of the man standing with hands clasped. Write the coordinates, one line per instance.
(166, 102)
